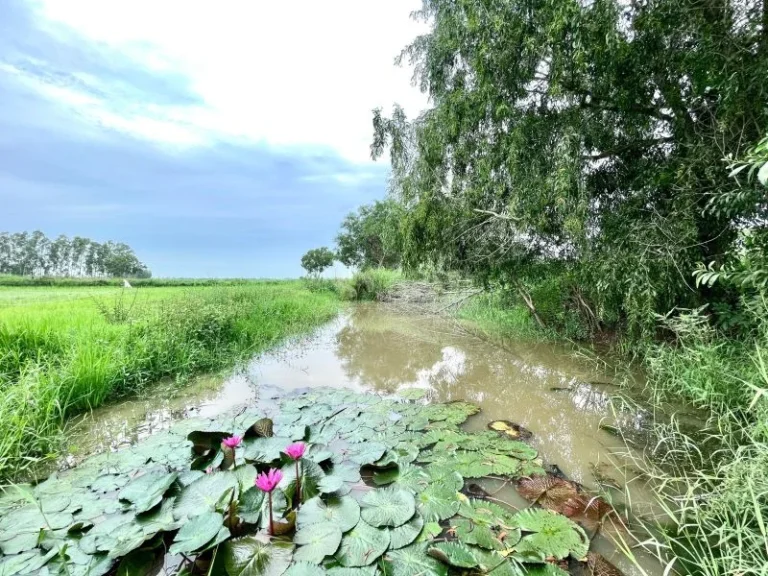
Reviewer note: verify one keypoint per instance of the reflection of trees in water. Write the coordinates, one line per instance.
(386, 351)
(383, 357)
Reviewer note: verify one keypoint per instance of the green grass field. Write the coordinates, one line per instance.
(67, 349)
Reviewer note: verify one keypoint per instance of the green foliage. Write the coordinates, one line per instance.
(372, 237)
(164, 508)
(317, 260)
(560, 134)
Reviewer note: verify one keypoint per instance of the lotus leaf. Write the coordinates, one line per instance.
(388, 507)
(316, 542)
(362, 545)
(481, 535)
(304, 569)
(197, 533)
(343, 511)
(438, 502)
(205, 494)
(146, 492)
(413, 561)
(454, 554)
(552, 535)
(406, 534)
(249, 556)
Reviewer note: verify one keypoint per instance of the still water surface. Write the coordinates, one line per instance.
(561, 397)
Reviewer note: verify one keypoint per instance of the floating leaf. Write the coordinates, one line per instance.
(553, 535)
(431, 530)
(406, 534)
(367, 452)
(362, 545)
(481, 535)
(146, 492)
(388, 507)
(343, 511)
(453, 554)
(250, 505)
(316, 542)
(204, 495)
(407, 476)
(413, 561)
(311, 477)
(438, 502)
(197, 533)
(251, 557)
(304, 569)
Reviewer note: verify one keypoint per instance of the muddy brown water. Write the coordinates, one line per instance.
(558, 395)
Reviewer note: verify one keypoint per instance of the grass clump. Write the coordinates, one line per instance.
(64, 356)
(373, 283)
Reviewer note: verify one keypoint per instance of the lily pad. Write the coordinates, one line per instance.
(304, 569)
(316, 542)
(250, 556)
(437, 503)
(552, 535)
(454, 554)
(388, 507)
(197, 533)
(481, 535)
(406, 534)
(146, 492)
(250, 505)
(311, 477)
(343, 511)
(205, 495)
(363, 545)
(413, 561)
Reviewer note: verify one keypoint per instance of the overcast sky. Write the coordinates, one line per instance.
(216, 138)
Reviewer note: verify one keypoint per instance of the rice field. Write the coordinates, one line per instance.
(67, 349)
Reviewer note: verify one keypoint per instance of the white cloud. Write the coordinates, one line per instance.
(286, 73)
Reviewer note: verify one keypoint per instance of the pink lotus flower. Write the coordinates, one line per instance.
(296, 450)
(268, 481)
(232, 441)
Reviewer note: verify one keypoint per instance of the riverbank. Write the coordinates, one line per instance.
(66, 350)
(708, 481)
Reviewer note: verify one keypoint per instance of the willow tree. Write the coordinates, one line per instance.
(588, 132)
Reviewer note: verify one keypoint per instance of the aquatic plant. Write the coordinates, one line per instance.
(295, 451)
(410, 516)
(267, 482)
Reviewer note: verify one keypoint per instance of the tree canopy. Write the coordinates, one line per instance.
(372, 236)
(589, 133)
(317, 260)
(34, 254)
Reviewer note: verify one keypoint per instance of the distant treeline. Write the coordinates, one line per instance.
(22, 281)
(34, 254)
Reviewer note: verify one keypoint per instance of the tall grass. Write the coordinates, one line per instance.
(373, 283)
(711, 485)
(66, 356)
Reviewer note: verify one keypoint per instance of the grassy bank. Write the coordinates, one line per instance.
(65, 350)
(710, 482)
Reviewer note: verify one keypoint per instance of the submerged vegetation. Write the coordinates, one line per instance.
(84, 347)
(334, 482)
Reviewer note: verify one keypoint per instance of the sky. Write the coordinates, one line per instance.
(218, 139)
